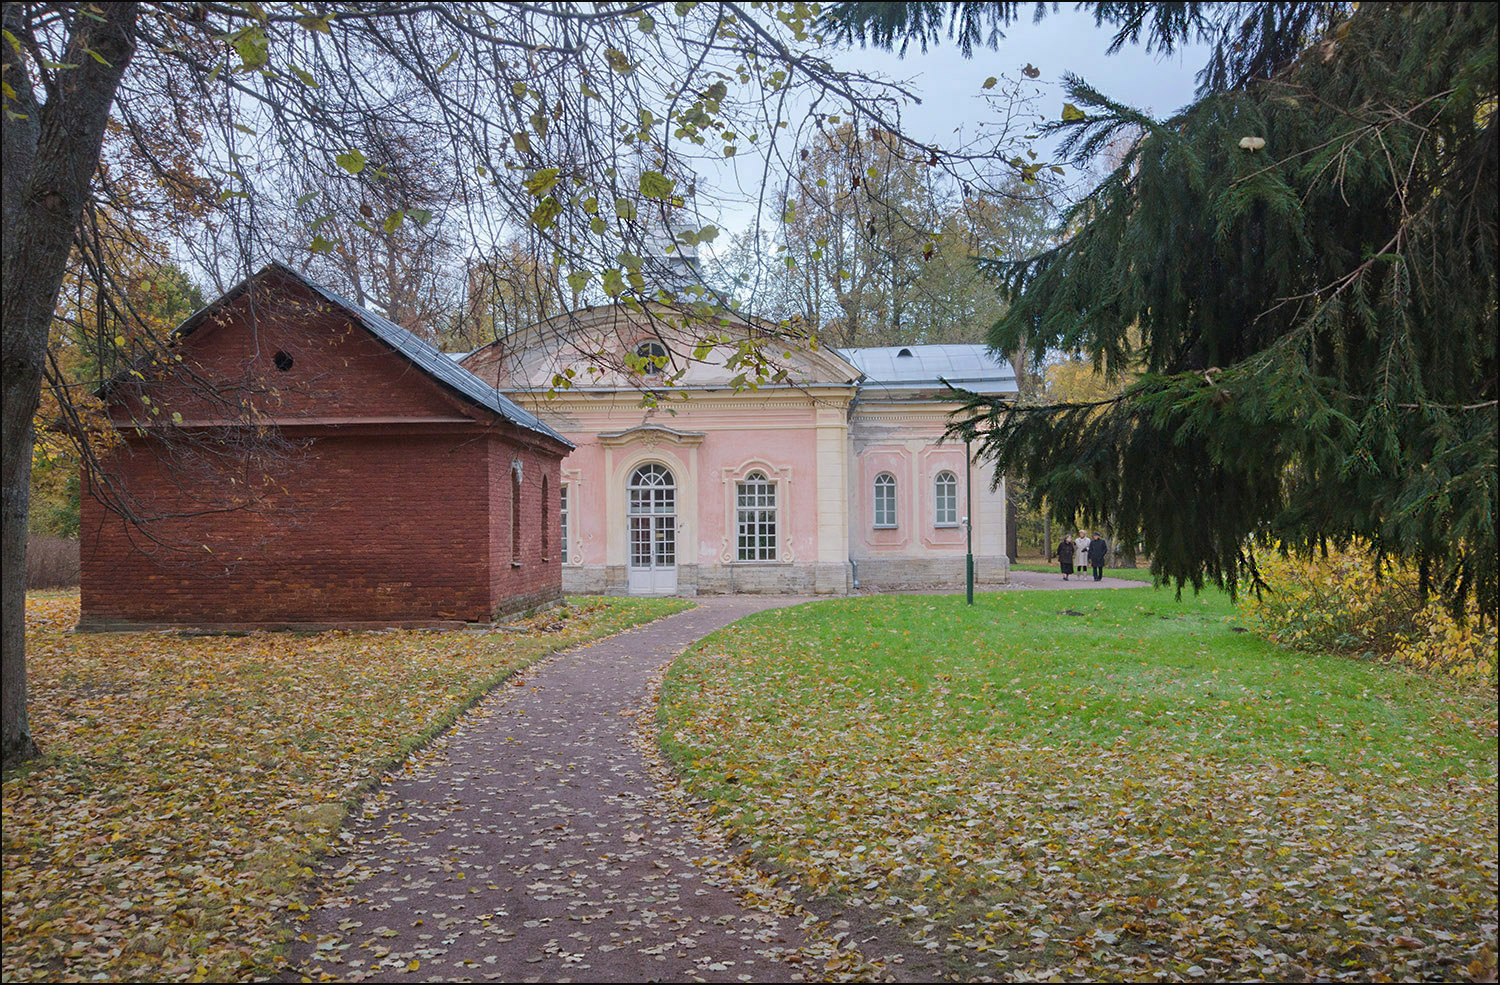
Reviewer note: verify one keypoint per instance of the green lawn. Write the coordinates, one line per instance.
(1101, 785)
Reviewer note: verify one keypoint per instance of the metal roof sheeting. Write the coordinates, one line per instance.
(925, 367)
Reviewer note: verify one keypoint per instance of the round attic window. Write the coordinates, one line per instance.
(655, 356)
(282, 361)
(904, 352)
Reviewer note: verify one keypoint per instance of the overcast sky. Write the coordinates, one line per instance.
(949, 87)
(1065, 41)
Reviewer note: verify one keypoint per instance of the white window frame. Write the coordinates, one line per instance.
(655, 355)
(757, 517)
(885, 513)
(942, 517)
(652, 515)
(562, 520)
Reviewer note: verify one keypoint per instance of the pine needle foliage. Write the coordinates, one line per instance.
(1302, 267)
(894, 26)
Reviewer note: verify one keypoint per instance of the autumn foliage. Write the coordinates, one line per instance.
(190, 782)
(1341, 604)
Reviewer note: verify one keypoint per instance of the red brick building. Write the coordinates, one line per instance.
(304, 462)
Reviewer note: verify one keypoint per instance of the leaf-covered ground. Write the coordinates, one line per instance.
(189, 781)
(1103, 786)
(537, 841)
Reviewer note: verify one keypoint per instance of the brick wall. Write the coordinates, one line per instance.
(521, 574)
(378, 528)
(383, 509)
(332, 368)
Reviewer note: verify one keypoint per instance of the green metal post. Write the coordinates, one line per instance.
(969, 520)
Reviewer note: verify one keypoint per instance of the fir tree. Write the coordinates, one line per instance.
(1302, 266)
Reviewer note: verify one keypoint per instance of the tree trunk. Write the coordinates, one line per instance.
(49, 158)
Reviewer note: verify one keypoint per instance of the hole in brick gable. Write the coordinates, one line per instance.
(282, 361)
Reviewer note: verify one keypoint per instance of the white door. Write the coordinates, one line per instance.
(652, 521)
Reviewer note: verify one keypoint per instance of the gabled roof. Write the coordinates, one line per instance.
(926, 367)
(420, 353)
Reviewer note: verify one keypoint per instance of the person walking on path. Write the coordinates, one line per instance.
(1081, 550)
(1098, 551)
(1065, 553)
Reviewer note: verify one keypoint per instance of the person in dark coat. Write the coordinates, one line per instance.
(1098, 551)
(1065, 552)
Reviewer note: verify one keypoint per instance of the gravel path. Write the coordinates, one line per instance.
(532, 843)
(1053, 580)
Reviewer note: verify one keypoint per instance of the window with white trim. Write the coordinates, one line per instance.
(562, 521)
(655, 356)
(755, 518)
(945, 499)
(885, 500)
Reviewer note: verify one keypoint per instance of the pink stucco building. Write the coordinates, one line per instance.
(828, 477)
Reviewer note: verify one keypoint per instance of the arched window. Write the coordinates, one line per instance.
(885, 500)
(945, 489)
(515, 513)
(546, 522)
(655, 356)
(755, 518)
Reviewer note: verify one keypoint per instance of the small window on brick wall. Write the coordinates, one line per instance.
(515, 516)
(546, 522)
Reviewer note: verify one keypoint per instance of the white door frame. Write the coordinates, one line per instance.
(651, 530)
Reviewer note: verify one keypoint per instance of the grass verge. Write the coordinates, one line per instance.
(1101, 786)
(189, 783)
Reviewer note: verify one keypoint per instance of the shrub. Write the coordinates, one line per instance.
(1339, 604)
(54, 496)
(51, 562)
